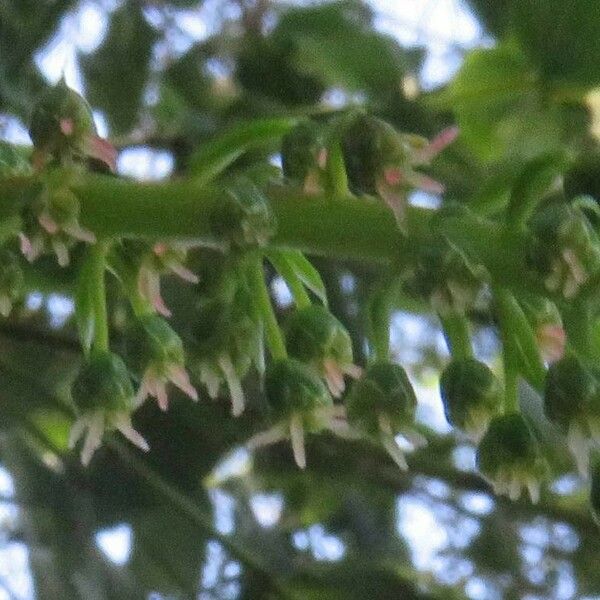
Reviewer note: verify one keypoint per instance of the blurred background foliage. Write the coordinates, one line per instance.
(200, 517)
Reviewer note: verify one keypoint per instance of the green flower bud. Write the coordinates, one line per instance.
(163, 360)
(316, 337)
(447, 278)
(298, 400)
(11, 281)
(471, 395)
(384, 389)
(565, 250)
(368, 144)
(293, 387)
(382, 404)
(380, 160)
(52, 223)
(62, 127)
(139, 265)
(104, 399)
(227, 338)
(509, 457)
(244, 217)
(572, 401)
(303, 156)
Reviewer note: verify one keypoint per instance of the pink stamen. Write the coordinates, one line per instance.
(66, 126)
(322, 158)
(393, 175)
(79, 233)
(184, 273)
(437, 144)
(48, 223)
(552, 340)
(179, 376)
(160, 248)
(102, 150)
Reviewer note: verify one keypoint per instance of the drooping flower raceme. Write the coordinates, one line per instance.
(162, 360)
(104, 399)
(471, 395)
(316, 337)
(381, 404)
(572, 401)
(509, 457)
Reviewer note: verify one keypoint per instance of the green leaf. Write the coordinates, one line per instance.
(335, 42)
(215, 156)
(117, 73)
(292, 263)
(499, 106)
(561, 38)
(518, 334)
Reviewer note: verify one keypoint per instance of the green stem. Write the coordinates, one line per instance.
(273, 334)
(101, 337)
(458, 335)
(530, 187)
(379, 316)
(190, 508)
(353, 228)
(511, 357)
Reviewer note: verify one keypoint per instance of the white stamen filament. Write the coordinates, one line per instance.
(238, 400)
(5, 305)
(93, 439)
(123, 424)
(297, 437)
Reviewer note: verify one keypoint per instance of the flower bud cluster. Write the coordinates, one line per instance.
(378, 159)
(244, 217)
(565, 250)
(226, 334)
(104, 399)
(447, 278)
